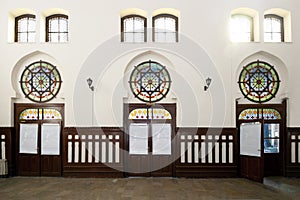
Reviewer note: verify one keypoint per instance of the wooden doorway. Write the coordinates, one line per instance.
(149, 133)
(38, 139)
(273, 122)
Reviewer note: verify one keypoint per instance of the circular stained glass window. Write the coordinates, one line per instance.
(150, 81)
(259, 81)
(40, 81)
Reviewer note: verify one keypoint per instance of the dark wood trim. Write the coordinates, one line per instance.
(47, 23)
(281, 19)
(9, 148)
(130, 16)
(16, 24)
(164, 15)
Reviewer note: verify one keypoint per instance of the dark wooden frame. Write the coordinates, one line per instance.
(281, 23)
(281, 108)
(131, 16)
(293, 169)
(16, 24)
(171, 108)
(18, 108)
(164, 15)
(47, 24)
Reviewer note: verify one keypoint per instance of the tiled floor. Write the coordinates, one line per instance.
(147, 188)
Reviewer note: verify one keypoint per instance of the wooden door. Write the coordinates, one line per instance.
(251, 151)
(149, 141)
(38, 139)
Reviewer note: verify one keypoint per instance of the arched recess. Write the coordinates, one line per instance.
(279, 66)
(133, 11)
(46, 13)
(11, 21)
(287, 24)
(255, 18)
(170, 11)
(20, 66)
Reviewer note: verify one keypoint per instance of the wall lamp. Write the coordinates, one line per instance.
(90, 82)
(208, 82)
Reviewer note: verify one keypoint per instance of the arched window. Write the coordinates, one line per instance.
(133, 28)
(57, 28)
(260, 113)
(40, 114)
(259, 81)
(153, 113)
(273, 28)
(150, 81)
(25, 28)
(241, 28)
(40, 81)
(165, 28)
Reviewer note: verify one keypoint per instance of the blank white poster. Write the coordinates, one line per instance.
(138, 138)
(250, 139)
(50, 140)
(29, 138)
(161, 138)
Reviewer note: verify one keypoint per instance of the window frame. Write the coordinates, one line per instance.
(251, 25)
(132, 16)
(32, 16)
(281, 19)
(48, 19)
(164, 16)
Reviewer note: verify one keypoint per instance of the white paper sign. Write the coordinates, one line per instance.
(161, 138)
(250, 139)
(29, 138)
(138, 138)
(50, 141)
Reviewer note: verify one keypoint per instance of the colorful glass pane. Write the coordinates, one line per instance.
(150, 82)
(52, 114)
(155, 113)
(29, 114)
(259, 82)
(40, 81)
(253, 113)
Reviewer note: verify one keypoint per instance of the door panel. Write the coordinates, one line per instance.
(251, 151)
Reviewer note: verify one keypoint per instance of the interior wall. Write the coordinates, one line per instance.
(93, 23)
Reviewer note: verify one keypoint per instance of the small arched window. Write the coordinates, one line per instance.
(25, 28)
(241, 28)
(133, 28)
(165, 28)
(57, 28)
(273, 28)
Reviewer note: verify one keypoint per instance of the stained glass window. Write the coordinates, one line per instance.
(133, 28)
(151, 113)
(265, 113)
(150, 81)
(57, 28)
(273, 28)
(25, 28)
(40, 114)
(259, 81)
(40, 81)
(165, 28)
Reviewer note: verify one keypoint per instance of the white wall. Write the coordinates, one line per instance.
(94, 22)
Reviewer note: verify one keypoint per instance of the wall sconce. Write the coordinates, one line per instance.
(208, 82)
(90, 82)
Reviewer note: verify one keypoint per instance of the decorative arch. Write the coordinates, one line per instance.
(25, 61)
(133, 11)
(274, 61)
(170, 11)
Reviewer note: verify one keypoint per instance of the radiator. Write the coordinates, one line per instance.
(3, 167)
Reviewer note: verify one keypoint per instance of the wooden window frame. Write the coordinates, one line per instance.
(17, 26)
(132, 16)
(48, 19)
(164, 16)
(281, 19)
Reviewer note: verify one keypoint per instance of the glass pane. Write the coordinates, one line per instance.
(53, 37)
(138, 138)
(159, 24)
(63, 25)
(63, 37)
(138, 25)
(170, 37)
(276, 37)
(161, 137)
(138, 37)
(170, 24)
(271, 145)
(241, 28)
(53, 25)
(50, 140)
(160, 37)
(22, 25)
(128, 37)
(31, 25)
(250, 139)
(267, 25)
(22, 37)
(276, 26)
(128, 25)
(31, 37)
(271, 130)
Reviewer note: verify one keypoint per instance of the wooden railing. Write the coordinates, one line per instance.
(293, 152)
(207, 152)
(6, 149)
(93, 151)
